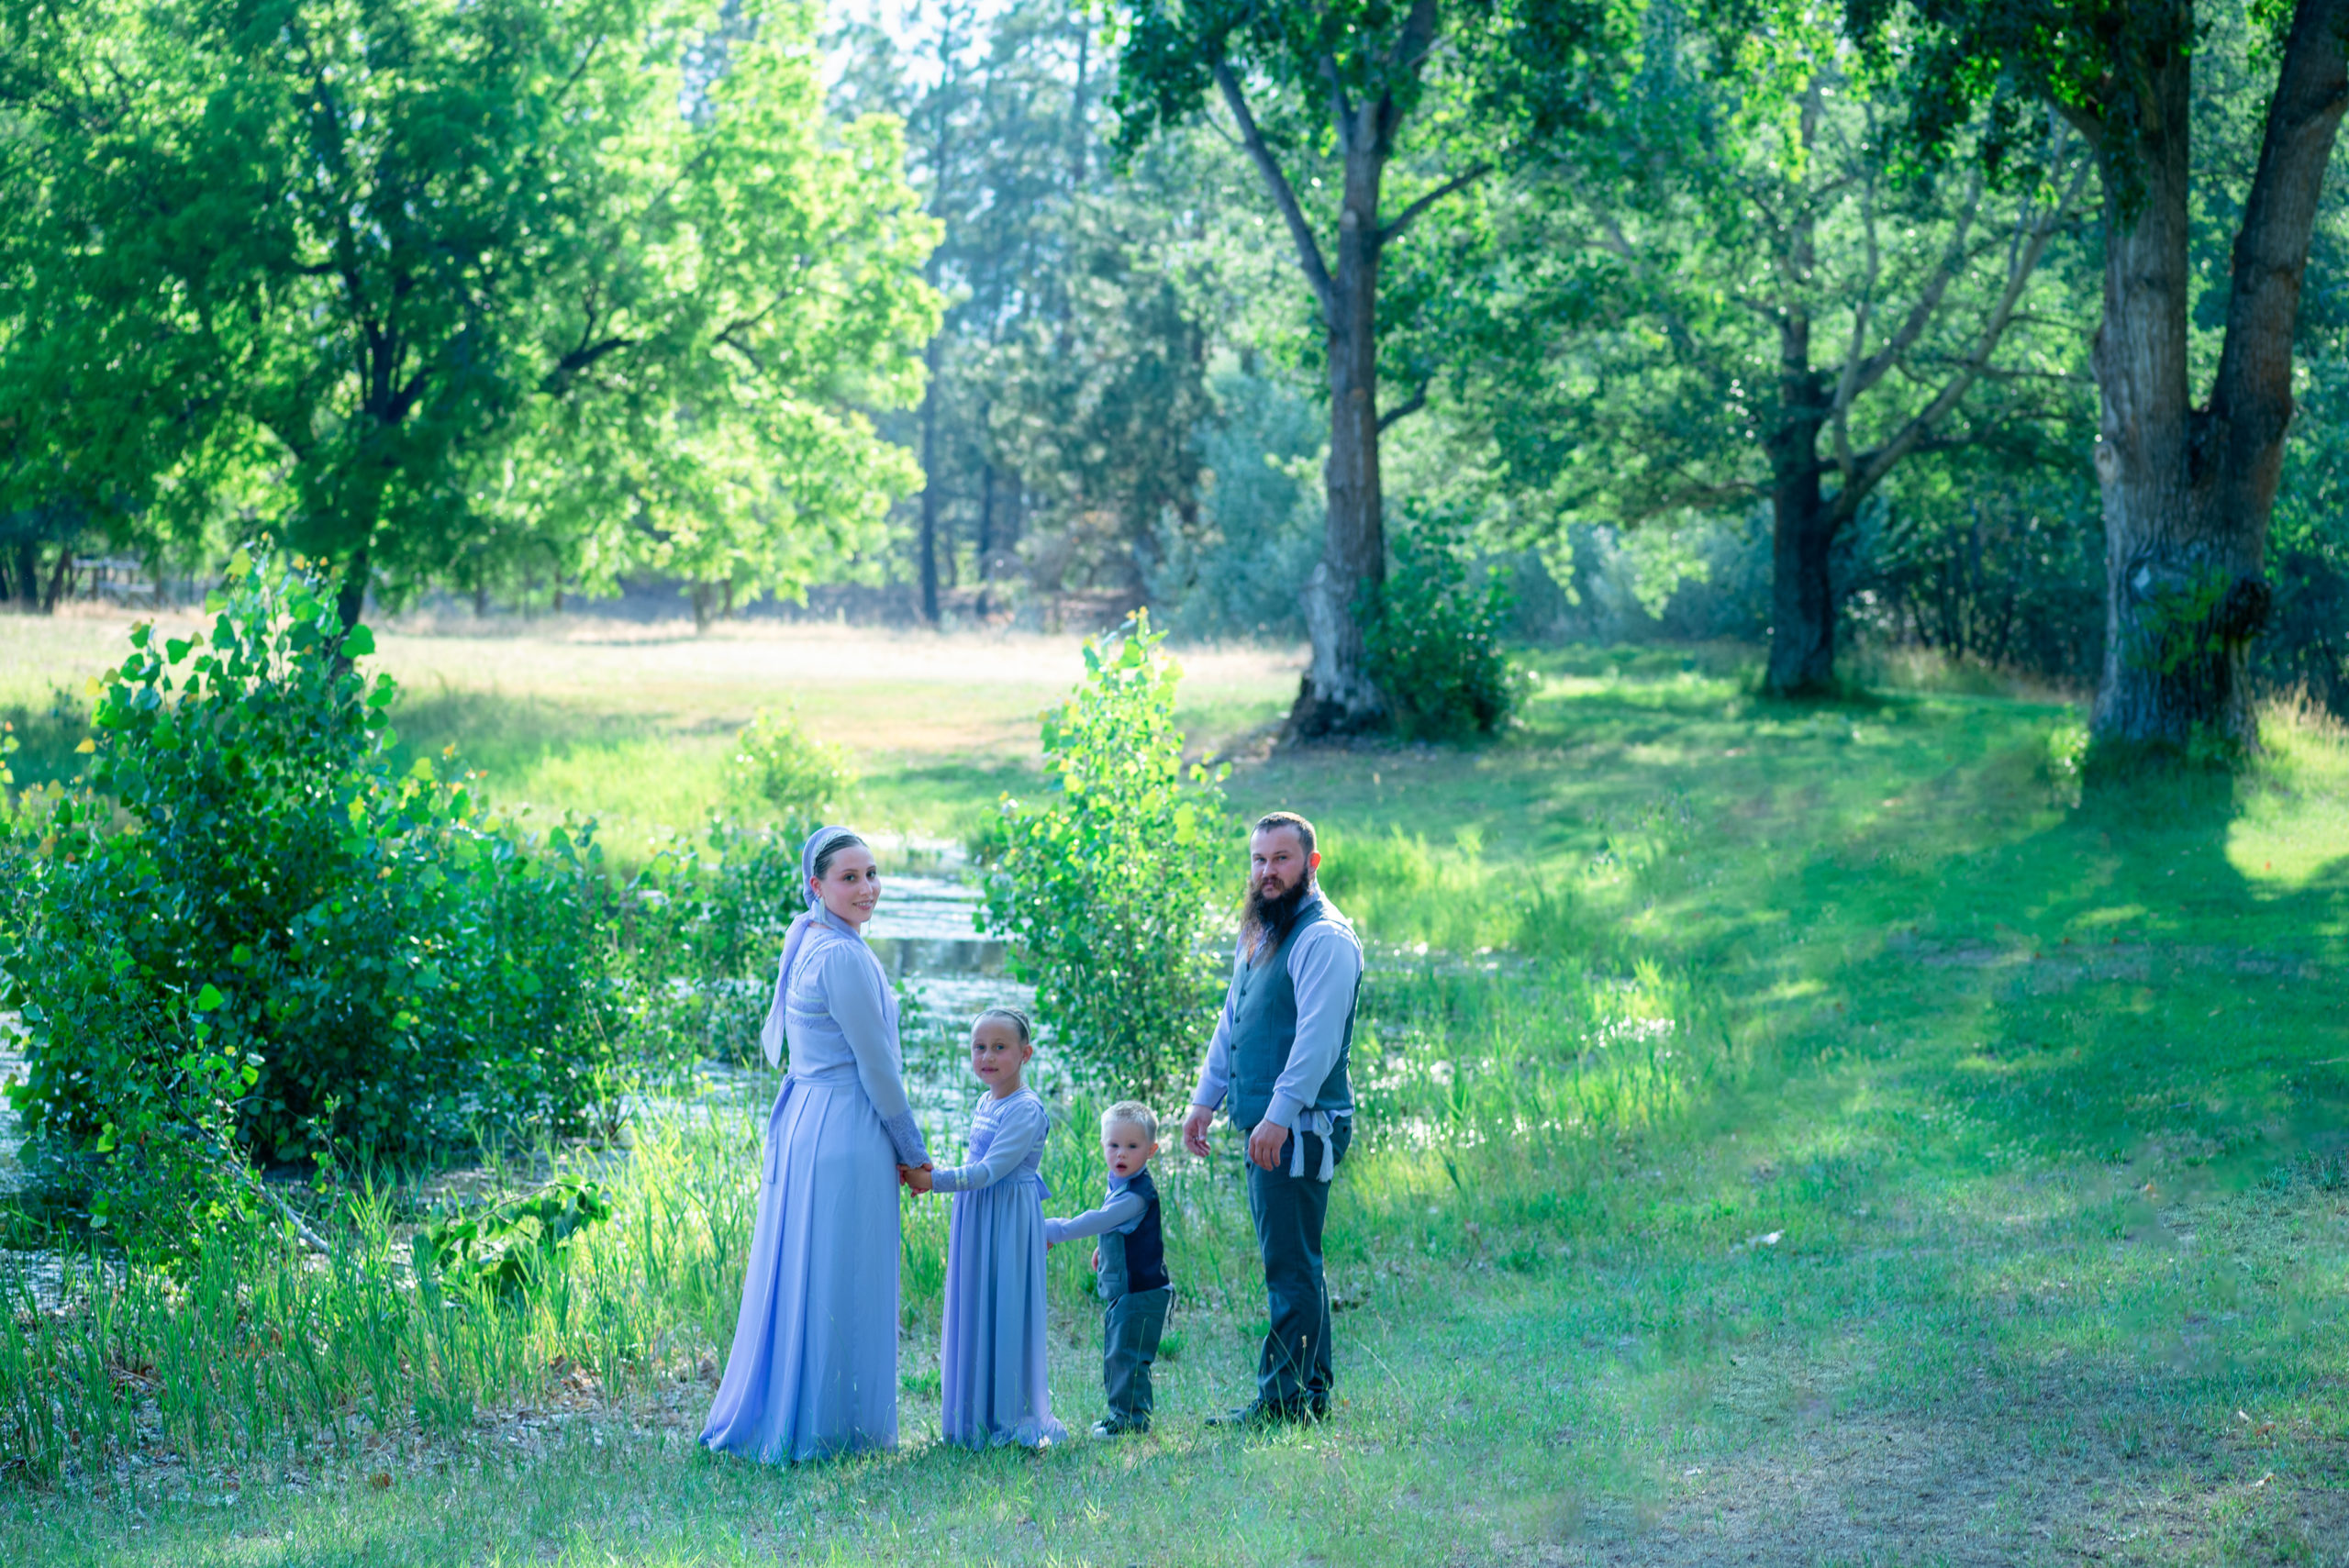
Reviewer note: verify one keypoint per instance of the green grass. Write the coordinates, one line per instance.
(1861, 1148)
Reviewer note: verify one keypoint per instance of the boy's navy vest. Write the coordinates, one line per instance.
(1263, 1028)
(1135, 1260)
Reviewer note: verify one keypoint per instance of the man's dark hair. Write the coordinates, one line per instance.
(1266, 920)
(1272, 820)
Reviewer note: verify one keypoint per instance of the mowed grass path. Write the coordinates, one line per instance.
(2019, 1233)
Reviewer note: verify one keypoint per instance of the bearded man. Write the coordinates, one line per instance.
(1279, 1054)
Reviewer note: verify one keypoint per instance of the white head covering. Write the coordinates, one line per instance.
(771, 1036)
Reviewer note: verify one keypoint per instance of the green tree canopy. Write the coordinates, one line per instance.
(417, 280)
(1729, 292)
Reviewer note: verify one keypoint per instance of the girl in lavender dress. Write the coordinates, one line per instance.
(814, 1366)
(991, 1362)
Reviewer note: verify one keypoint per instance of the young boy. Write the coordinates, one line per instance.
(1132, 1262)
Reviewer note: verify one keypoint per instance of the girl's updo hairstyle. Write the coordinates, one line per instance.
(1011, 1016)
(832, 846)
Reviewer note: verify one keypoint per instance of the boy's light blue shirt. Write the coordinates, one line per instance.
(1121, 1212)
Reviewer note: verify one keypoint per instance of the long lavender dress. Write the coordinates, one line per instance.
(814, 1366)
(991, 1367)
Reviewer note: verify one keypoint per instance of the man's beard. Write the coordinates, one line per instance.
(1267, 919)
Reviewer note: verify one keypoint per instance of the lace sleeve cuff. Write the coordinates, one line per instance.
(906, 1136)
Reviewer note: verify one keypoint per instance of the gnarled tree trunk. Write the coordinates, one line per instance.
(2188, 492)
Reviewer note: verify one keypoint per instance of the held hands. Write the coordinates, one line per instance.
(915, 1176)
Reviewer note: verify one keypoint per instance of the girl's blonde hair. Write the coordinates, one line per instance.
(1012, 1016)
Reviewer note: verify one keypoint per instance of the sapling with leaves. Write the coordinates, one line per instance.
(1107, 887)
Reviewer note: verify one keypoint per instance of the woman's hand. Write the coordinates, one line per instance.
(1096, 1260)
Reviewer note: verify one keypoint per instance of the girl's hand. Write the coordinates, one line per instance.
(917, 1178)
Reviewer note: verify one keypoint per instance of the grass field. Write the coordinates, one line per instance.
(1813, 1135)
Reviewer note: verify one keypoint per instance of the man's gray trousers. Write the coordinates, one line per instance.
(1293, 1374)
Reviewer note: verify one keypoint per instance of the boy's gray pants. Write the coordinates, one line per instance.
(1130, 1325)
(1130, 1330)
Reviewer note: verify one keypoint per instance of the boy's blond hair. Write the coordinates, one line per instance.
(1131, 1113)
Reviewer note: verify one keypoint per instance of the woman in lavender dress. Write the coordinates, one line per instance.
(814, 1366)
(991, 1356)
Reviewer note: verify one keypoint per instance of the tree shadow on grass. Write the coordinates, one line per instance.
(2042, 1057)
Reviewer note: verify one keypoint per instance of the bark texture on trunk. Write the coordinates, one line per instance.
(350, 594)
(1802, 526)
(2188, 492)
(1337, 695)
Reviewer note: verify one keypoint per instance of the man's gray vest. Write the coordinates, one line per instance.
(1263, 1027)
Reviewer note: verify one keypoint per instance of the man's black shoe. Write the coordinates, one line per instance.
(1259, 1413)
(1117, 1427)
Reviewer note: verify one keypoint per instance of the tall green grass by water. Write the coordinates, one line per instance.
(273, 1355)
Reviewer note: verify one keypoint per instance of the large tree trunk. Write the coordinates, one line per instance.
(1802, 526)
(1337, 695)
(2159, 549)
(2188, 492)
(926, 544)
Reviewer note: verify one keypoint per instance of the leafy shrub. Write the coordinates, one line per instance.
(706, 923)
(1107, 889)
(777, 767)
(248, 938)
(502, 1249)
(1434, 640)
(2306, 643)
(14, 843)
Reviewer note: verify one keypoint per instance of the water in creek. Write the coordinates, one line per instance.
(925, 932)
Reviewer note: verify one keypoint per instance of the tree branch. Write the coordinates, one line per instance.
(1872, 467)
(1410, 214)
(1405, 409)
(1847, 386)
(1928, 300)
(2252, 393)
(1284, 195)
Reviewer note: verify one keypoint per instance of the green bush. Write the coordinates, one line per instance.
(777, 767)
(1433, 634)
(1108, 889)
(248, 938)
(704, 926)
